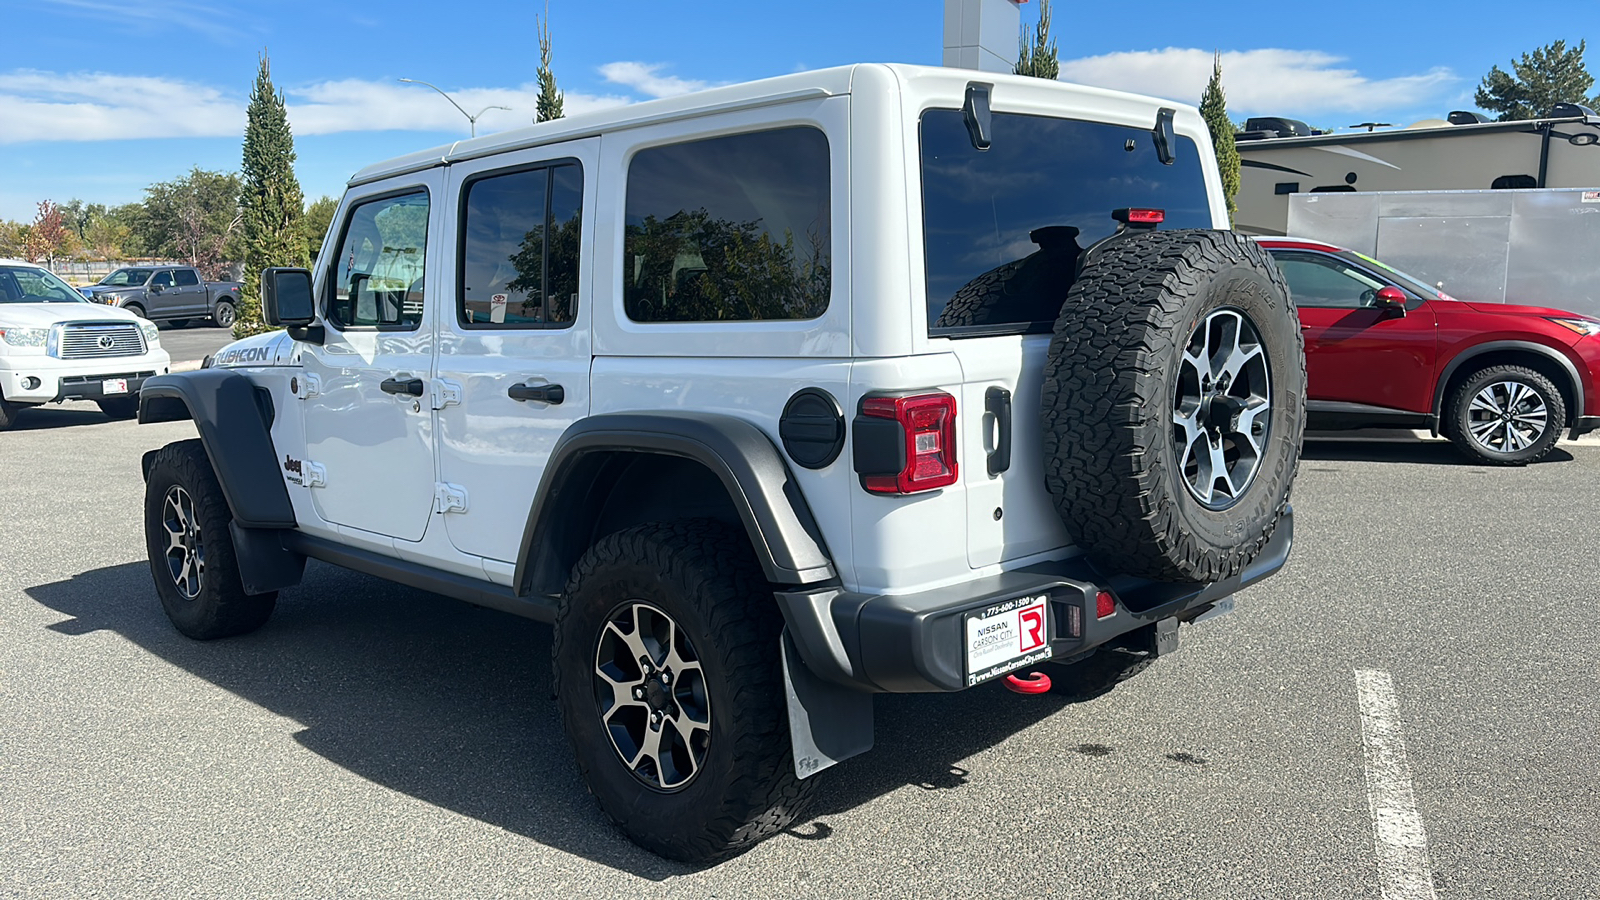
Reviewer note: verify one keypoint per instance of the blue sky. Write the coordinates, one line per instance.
(99, 98)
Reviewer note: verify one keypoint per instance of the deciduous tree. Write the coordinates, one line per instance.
(194, 218)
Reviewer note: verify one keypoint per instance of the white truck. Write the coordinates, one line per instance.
(773, 397)
(57, 346)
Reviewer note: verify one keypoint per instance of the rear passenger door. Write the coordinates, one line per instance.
(514, 339)
(188, 294)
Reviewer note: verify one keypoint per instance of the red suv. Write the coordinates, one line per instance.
(1384, 350)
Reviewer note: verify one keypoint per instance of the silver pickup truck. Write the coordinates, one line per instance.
(172, 294)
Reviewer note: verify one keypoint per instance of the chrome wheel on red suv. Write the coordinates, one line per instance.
(1505, 415)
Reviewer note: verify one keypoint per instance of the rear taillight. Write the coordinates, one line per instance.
(906, 444)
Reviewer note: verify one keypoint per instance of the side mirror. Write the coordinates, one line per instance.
(1391, 298)
(286, 297)
(155, 288)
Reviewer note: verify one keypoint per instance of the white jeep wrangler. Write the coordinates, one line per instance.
(879, 378)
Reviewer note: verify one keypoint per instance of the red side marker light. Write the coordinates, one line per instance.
(1104, 605)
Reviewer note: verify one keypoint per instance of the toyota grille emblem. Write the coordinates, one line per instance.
(107, 342)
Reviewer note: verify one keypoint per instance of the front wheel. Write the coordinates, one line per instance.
(668, 678)
(191, 549)
(136, 309)
(1506, 416)
(224, 314)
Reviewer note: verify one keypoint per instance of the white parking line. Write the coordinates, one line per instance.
(1404, 872)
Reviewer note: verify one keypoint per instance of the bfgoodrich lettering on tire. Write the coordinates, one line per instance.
(668, 678)
(1173, 404)
(191, 550)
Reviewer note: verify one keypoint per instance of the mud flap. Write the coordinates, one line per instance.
(828, 723)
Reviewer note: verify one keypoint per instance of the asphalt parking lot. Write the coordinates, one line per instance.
(1431, 643)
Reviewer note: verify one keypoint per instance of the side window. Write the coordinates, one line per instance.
(378, 272)
(729, 229)
(186, 277)
(162, 280)
(1319, 281)
(519, 248)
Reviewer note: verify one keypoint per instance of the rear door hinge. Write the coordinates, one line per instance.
(449, 498)
(316, 475)
(444, 392)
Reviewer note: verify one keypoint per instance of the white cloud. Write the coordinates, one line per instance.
(150, 16)
(1295, 83)
(85, 106)
(644, 78)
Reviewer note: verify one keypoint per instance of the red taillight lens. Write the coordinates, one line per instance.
(928, 422)
(1104, 605)
(1140, 216)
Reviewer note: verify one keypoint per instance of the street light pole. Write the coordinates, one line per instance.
(472, 121)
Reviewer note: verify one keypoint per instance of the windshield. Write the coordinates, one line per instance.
(1410, 282)
(27, 284)
(1004, 227)
(126, 277)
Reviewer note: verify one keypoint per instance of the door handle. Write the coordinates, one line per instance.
(997, 402)
(411, 387)
(552, 394)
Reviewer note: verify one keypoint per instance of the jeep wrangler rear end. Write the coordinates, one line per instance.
(874, 379)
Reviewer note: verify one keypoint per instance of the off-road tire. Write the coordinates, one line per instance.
(704, 575)
(119, 407)
(136, 309)
(1031, 289)
(178, 323)
(221, 607)
(223, 314)
(1097, 675)
(1458, 410)
(1108, 403)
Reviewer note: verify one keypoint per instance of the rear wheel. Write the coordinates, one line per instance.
(668, 679)
(119, 407)
(1506, 416)
(191, 550)
(224, 314)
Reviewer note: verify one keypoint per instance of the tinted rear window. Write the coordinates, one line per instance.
(1004, 226)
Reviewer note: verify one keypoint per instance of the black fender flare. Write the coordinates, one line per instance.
(752, 470)
(1543, 350)
(234, 419)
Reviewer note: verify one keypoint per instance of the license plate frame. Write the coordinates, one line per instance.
(112, 386)
(1006, 636)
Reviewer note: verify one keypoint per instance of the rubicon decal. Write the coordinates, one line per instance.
(242, 355)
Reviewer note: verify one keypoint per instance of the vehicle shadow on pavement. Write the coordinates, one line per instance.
(1432, 453)
(39, 418)
(451, 704)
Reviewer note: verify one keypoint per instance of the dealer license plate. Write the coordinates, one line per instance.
(114, 386)
(1007, 636)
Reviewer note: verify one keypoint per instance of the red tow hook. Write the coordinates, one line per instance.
(1032, 683)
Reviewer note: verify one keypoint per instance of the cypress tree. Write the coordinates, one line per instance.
(270, 201)
(1039, 58)
(549, 103)
(1214, 109)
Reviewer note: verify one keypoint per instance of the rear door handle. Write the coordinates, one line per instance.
(410, 386)
(544, 393)
(997, 402)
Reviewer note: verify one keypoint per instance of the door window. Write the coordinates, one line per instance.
(729, 229)
(1324, 282)
(162, 280)
(186, 278)
(377, 279)
(519, 248)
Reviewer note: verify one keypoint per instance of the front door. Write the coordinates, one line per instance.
(161, 297)
(514, 345)
(1356, 353)
(368, 419)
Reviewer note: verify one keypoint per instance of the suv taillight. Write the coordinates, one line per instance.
(906, 444)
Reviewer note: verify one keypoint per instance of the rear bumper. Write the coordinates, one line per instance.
(913, 643)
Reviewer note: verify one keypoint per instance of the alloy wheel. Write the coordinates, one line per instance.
(1507, 417)
(1221, 408)
(186, 551)
(650, 692)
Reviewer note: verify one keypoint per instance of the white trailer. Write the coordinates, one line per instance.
(1546, 153)
(1530, 247)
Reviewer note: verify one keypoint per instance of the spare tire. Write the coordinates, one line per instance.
(1173, 404)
